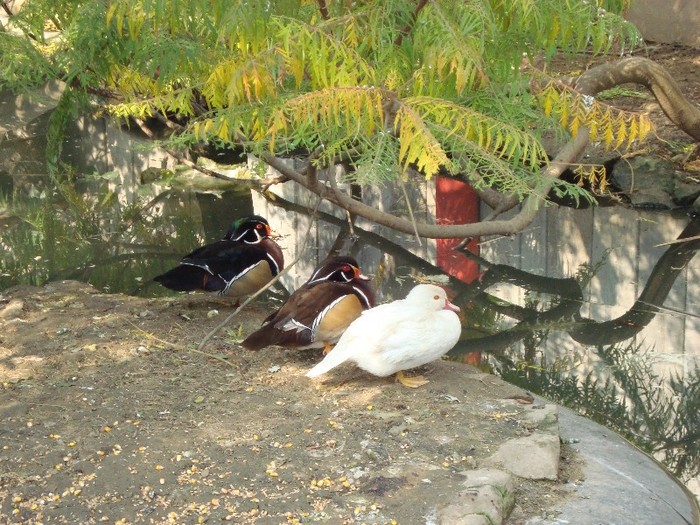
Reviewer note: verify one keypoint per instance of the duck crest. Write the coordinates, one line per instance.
(317, 313)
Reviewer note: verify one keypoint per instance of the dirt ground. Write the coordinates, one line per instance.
(110, 414)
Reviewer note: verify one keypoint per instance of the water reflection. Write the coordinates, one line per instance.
(87, 232)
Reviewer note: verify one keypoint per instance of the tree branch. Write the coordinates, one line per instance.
(323, 8)
(405, 30)
(7, 9)
(563, 160)
(654, 77)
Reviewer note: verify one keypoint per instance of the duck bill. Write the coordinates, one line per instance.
(452, 307)
(359, 275)
(272, 234)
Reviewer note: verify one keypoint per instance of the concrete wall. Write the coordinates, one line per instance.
(667, 21)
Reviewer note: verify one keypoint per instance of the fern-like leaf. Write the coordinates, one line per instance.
(614, 128)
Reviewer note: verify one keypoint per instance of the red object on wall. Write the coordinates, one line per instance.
(456, 203)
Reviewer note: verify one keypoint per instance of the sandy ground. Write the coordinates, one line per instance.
(110, 414)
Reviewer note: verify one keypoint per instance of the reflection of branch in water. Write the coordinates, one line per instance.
(666, 270)
(529, 319)
(563, 315)
(586, 331)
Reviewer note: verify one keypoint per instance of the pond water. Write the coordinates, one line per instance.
(574, 332)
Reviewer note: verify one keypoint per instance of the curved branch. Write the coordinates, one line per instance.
(654, 77)
(568, 155)
(663, 276)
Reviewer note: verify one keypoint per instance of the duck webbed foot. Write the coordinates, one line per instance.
(410, 382)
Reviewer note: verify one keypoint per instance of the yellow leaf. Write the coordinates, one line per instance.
(563, 115)
(608, 134)
(621, 133)
(645, 126)
(593, 129)
(223, 131)
(633, 132)
(547, 103)
(574, 125)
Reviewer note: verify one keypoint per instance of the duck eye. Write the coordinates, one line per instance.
(258, 226)
(346, 268)
(436, 297)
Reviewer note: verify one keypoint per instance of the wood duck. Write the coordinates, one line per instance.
(238, 265)
(396, 336)
(317, 313)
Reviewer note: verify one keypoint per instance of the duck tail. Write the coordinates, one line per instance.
(188, 277)
(182, 278)
(335, 357)
(261, 338)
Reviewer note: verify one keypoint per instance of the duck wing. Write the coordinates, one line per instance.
(313, 315)
(418, 339)
(359, 339)
(397, 336)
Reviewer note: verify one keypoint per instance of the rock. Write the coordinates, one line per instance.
(651, 182)
(532, 457)
(648, 182)
(12, 309)
(543, 416)
(487, 497)
(685, 193)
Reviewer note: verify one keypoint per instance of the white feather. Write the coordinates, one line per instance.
(398, 335)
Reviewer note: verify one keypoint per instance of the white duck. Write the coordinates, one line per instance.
(396, 336)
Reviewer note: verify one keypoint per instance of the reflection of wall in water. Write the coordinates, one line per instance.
(556, 244)
(560, 240)
(98, 145)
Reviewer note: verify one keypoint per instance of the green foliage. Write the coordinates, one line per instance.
(22, 64)
(443, 81)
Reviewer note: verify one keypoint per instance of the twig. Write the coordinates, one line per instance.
(323, 8)
(271, 181)
(270, 283)
(7, 9)
(176, 346)
(167, 122)
(678, 241)
(405, 30)
(410, 211)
